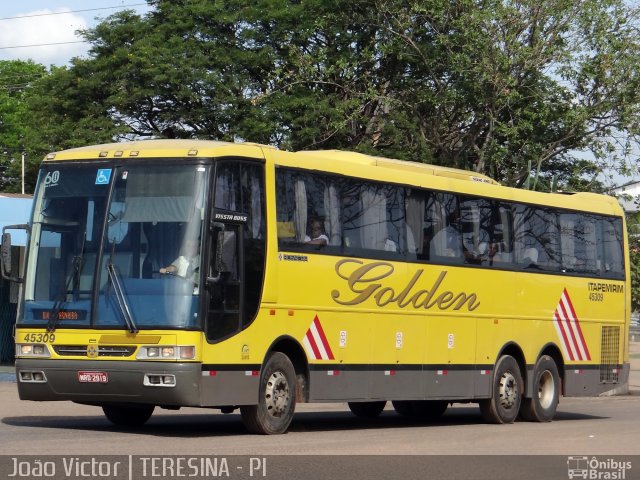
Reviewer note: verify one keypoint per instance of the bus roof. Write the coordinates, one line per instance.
(440, 178)
(158, 148)
(399, 165)
(348, 163)
(201, 148)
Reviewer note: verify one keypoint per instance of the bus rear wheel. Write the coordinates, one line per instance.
(506, 392)
(367, 409)
(277, 398)
(128, 415)
(541, 407)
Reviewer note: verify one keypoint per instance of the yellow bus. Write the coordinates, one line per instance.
(167, 273)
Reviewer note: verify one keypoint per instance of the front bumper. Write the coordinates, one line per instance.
(127, 382)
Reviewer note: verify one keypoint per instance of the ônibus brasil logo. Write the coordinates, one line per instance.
(597, 469)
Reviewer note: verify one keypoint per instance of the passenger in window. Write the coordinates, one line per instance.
(187, 265)
(390, 245)
(496, 252)
(530, 259)
(316, 235)
(471, 254)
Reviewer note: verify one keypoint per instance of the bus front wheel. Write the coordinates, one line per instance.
(128, 415)
(277, 398)
(506, 392)
(541, 407)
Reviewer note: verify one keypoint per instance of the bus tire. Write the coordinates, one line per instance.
(429, 409)
(277, 398)
(128, 415)
(542, 405)
(506, 392)
(423, 409)
(403, 407)
(367, 409)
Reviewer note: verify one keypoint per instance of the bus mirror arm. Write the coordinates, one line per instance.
(5, 252)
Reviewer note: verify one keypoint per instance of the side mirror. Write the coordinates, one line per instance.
(6, 267)
(5, 252)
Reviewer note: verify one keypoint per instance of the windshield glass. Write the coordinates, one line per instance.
(65, 237)
(150, 267)
(146, 262)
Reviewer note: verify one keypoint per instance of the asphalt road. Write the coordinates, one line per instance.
(326, 441)
(585, 426)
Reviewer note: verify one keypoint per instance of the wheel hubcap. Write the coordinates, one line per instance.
(508, 390)
(277, 397)
(546, 389)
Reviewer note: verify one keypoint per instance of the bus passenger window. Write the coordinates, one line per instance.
(537, 228)
(304, 199)
(446, 244)
(578, 242)
(414, 208)
(612, 241)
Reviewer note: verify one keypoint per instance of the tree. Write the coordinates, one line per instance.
(180, 72)
(16, 79)
(634, 267)
(511, 89)
(515, 89)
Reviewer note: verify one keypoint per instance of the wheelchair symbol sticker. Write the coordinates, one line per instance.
(103, 177)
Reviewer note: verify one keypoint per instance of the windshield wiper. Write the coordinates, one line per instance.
(74, 279)
(121, 298)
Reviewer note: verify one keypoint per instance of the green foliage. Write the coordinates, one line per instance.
(634, 259)
(16, 80)
(532, 93)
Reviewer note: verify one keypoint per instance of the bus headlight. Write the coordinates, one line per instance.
(32, 350)
(167, 352)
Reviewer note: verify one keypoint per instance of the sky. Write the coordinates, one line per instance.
(44, 30)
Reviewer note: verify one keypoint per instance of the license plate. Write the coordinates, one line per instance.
(93, 377)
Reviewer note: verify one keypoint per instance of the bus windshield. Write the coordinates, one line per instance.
(125, 259)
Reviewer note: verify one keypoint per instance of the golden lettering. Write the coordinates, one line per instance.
(444, 300)
(365, 281)
(464, 298)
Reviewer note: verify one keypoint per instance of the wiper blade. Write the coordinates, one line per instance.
(74, 278)
(121, 298)
(54, 315)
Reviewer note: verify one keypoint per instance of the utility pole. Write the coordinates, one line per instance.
(23, 155)
(8, 153)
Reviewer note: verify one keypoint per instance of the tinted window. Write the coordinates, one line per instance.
(612, 263)
(486, 232)
(235, 297)
(537, 240)
(443, 224)
(373, 217)
(374, 220)
(578, 241)
(318, 212)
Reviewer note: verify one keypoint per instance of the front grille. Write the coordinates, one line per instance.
(103, 350)
(609, 352)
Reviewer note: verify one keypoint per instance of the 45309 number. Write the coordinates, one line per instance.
(596, 297)
(40, 337)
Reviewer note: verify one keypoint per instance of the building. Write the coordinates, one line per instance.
(628, 196)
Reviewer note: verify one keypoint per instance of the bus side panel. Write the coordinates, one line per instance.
(229, 387)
